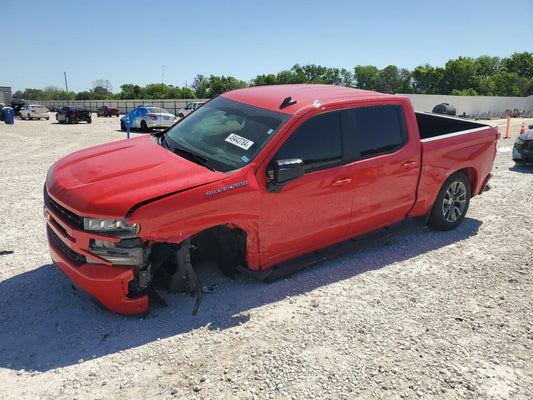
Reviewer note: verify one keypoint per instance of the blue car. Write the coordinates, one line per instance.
(145, 118)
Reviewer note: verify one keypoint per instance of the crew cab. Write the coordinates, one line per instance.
(69, 115)
(253, 178)
(106, 111)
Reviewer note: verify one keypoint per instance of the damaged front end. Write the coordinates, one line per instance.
(106, 259)
(155, 266)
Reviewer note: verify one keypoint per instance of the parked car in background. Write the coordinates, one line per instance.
(190, 108)
(147, 117)
(69, 115)
(17, 105)
(523, 148)
(34, 111)
(106, 111)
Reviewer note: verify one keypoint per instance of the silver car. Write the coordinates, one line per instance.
(34, 111)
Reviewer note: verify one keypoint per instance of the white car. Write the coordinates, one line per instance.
(146, 118)
(190, 108)
(34, 111)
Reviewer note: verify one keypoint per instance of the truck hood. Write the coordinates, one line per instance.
(106, 181)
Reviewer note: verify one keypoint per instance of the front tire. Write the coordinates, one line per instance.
(451, 204)
(89, 120)
(122, 126)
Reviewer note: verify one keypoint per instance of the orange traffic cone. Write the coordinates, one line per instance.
(522, 129)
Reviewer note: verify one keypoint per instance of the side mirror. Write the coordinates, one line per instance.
(283, 172)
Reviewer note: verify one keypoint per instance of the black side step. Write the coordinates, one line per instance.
(290, 267)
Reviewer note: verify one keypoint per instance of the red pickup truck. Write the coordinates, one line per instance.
(253, 178)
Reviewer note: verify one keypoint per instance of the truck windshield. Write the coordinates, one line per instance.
(228, 134)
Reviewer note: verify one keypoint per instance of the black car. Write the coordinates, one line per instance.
(523, 148)
(17, 105)
(68, 115)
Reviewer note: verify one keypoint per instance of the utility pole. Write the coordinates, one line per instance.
(66, 85)
(163, 76)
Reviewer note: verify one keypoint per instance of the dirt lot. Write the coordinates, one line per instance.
(415, 314)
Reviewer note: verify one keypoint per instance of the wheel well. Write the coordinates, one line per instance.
(221, 244)
(471, 175)
(224, 246)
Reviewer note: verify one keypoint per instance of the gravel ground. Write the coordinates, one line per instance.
(412, 314)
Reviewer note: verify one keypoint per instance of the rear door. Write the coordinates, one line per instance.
(385, 169)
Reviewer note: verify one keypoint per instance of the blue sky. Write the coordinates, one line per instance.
(134, 42)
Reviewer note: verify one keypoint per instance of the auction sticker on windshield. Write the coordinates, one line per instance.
(239, 141)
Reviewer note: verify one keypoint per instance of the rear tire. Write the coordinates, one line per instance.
(451, 204)
(89, 120)
(144, 127)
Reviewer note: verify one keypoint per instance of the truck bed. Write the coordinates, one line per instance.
(451, 144)
(432, 126)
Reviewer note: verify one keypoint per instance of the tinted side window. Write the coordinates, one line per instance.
(379, 129)
(317, 142)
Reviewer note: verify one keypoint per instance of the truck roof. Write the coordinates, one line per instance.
(304, 95)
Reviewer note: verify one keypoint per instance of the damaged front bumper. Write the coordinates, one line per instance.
(117, 271)
(109, 285)
(108, 268)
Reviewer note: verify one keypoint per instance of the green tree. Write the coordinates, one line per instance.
(130, 92)
(200, 86)
(187, 93)
(262, 80)
(458, 74)
(221, 84)
(86, 95)
(393, 80)
(520, 63)
(101, 93)
(365, 77)
(505, 84)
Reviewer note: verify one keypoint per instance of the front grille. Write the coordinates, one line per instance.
(77, 258)
(67, 214)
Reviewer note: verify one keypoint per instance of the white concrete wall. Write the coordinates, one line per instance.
(478, 106)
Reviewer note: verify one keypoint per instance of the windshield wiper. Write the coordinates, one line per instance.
(192, 156)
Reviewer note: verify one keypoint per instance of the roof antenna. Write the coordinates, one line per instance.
(287, 102)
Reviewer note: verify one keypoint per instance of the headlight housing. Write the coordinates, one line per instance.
(126, 252)
(112, 227)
